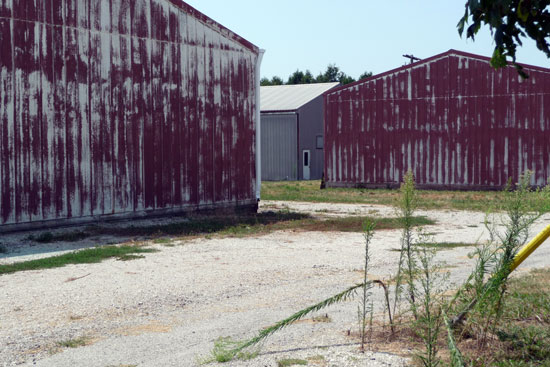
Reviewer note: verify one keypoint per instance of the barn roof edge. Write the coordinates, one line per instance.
(429, 59)
(214, 24)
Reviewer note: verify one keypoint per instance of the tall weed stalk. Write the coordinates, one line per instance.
(429, 310)
(366, 308)
(263, 334)
(406, 269)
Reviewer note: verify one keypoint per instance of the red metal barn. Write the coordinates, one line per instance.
(122, 108)
(451, 119)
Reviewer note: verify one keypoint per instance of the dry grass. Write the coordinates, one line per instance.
(153, 327)
(309, 191)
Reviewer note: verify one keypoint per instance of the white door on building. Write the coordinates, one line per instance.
(307, 163)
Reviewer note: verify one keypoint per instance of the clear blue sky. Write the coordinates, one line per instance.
(356, 35)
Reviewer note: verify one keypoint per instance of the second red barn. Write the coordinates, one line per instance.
(452, 120)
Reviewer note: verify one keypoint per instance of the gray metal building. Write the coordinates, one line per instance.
(292, 131)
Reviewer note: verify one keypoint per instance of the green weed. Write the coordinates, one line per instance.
(87, 256)
(321, 318)
(239, 347)
(291, 362)
(225, 350)
(73, 343)
(129, 257)
(365, 309)
(162, 241)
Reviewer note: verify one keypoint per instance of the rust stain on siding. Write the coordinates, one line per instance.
(451, 119)
(119, 107)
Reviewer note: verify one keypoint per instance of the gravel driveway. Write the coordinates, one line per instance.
(167, 308)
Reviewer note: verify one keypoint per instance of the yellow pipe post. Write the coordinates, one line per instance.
(520, 257)
(530, 247)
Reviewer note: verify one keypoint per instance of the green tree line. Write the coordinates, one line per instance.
(331, 74)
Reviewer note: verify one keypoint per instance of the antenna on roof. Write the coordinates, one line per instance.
(412, 58)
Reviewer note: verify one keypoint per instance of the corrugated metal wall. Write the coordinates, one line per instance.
(452, 119)
(311, 126)
(279, 146)
(121, 106)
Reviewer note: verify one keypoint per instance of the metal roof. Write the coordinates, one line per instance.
(428, 60)
(291, 97)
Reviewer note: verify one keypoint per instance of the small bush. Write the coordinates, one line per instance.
(291, 362)
(74, 343)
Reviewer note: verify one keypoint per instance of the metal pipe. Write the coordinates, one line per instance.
(520, 257)
(258, 127)
(529, 248)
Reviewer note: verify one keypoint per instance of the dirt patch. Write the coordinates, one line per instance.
(150, 327)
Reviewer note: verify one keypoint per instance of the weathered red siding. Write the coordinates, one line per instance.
(451, 119)
(121, 107)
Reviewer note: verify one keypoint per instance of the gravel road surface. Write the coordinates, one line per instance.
(167, 308)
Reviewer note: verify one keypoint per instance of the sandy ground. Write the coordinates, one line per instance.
(167, 308)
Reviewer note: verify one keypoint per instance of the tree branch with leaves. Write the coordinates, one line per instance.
(509, 21)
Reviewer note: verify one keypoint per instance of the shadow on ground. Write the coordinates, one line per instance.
(74, 238)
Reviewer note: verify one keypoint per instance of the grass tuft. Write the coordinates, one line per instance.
(87, 256)
(225, 350)
(162, 241)
(291, 362)
(73, 343)
(322, 318)
(129, 257)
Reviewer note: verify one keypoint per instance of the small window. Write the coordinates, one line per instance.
(320, 142)
(306, 158)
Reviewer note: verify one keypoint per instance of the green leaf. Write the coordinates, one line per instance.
(499, 59)
(522, 15)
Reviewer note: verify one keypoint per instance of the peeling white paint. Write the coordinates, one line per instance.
(409, 86)
(65, 150)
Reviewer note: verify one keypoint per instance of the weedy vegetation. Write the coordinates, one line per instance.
(73, 343)
(321, 318)
(480, 304)
(491, 320)
(291, 362)
(88, 256)
(405, 277)
(226, 349)
(309, 191)
(162, 241)
(428, 310)
(365, 310)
